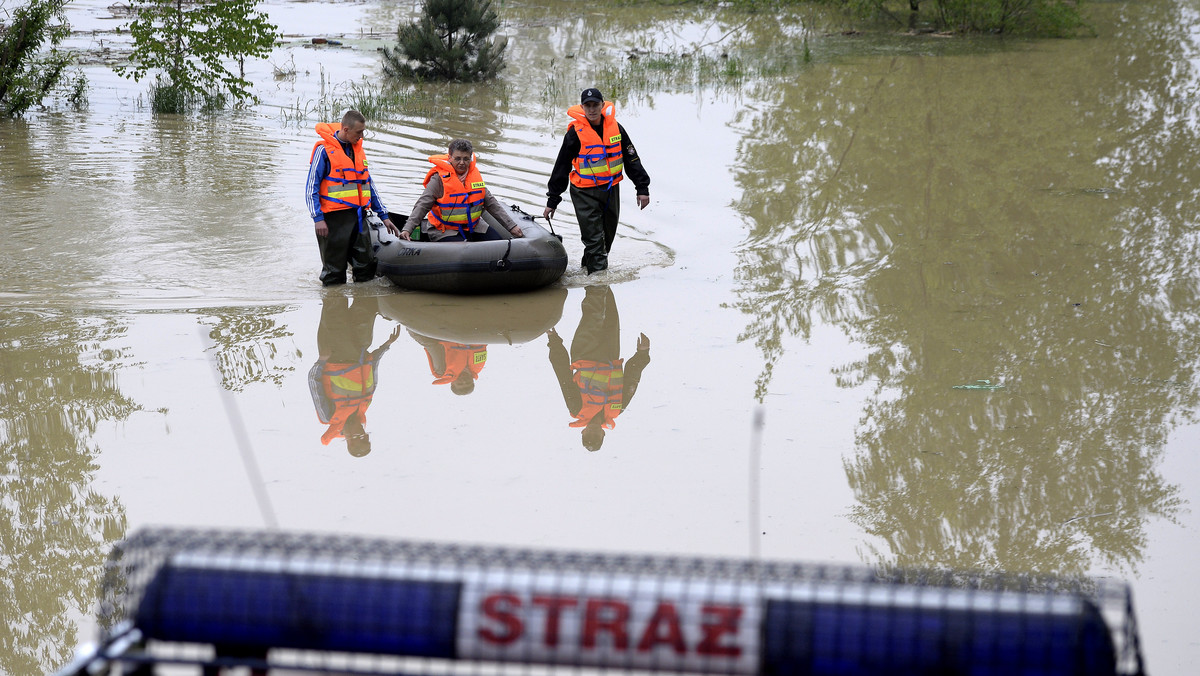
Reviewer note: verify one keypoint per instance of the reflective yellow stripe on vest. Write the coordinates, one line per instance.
(344, 385)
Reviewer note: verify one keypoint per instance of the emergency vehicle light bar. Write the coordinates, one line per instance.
(271, 600)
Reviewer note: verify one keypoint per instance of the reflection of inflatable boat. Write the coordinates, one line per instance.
(500, 266)
(512, 319)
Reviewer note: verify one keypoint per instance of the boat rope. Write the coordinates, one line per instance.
(503, 264)
(531, 217)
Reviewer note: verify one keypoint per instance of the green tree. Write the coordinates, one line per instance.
(192, 46)
(450, 41)
(27, 75)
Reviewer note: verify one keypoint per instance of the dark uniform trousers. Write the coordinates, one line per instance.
(597, 210)
(345, 244)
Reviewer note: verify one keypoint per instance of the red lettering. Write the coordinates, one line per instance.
(553, 606)
(606, 615)
(502, 608)
(726, 623)
(666, 618)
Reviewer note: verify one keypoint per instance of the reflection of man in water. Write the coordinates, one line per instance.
(596, 383)
(343, 380)
(456, 363)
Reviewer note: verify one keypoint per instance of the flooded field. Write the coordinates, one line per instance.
(955, 277)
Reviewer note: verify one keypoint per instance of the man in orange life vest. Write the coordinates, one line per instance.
(339, 189)
(596, 153)
(455, 198)
(342, 381)
(596, 383)
(458, 364)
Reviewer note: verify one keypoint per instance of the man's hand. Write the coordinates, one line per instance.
(548, 213)
(643, 201)
(404, 235)
(322, 229)
(391, 227)
(643, 343)
(517, 231)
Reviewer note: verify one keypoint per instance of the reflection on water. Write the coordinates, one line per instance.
(597, 384)
(59, 384)
(945, 228)
(451, 363)
(505, 319)
(250, 345)
(455, 331)
(343, 379)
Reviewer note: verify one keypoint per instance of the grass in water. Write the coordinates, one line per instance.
(665, 72)
(367, 98)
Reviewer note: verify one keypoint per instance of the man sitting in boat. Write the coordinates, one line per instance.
(455, 199)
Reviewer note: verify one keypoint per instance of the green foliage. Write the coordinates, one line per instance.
(192, 46)
(1049, 18)
(1041, 18)
(28, 76)
(167, 98)
(450, 41)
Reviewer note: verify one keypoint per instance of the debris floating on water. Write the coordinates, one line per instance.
(979, 385)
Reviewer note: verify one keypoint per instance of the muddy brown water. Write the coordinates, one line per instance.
(842, 245)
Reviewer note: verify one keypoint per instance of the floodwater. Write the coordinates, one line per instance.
(956, 278)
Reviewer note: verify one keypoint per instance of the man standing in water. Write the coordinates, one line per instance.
(339, 190)
(596, 152)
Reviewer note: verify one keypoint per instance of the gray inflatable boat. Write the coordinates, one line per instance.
(498, 266)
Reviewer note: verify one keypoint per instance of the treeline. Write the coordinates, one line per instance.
(1033, 18)
(194, 49)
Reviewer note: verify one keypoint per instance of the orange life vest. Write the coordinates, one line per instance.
(341, 413)
(599, 161)
(459, 358)
(600, 382)
(461, 203)
(348, 184)
(350, 387)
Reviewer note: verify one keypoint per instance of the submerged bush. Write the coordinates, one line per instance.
(1047, 18)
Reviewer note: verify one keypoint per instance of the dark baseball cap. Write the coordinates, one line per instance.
(591, 94)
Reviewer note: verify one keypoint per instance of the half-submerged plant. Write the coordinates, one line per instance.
(189, 45)
(28, 73)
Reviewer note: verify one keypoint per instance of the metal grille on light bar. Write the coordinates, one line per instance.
(270, 600)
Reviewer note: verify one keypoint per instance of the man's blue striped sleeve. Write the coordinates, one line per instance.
(318, 169)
